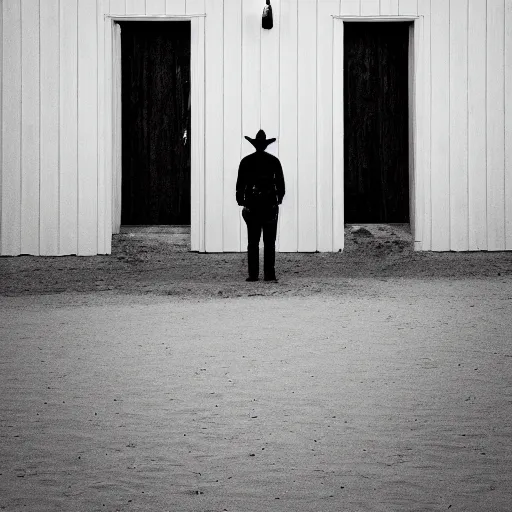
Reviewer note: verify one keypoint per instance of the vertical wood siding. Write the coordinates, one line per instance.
(495, 125)
(56, 149)
(232, 119)
(508, 125)
(1, 108)
(426, 91)
(459, 125)
(214, 126)
(50, 101)
(68, 142)
(87, 128)
(338, 148)
(440, 119)
(30, 128)
(11, 129)
(307, 148)
(288, 123)
(324, 123)
(477, 140)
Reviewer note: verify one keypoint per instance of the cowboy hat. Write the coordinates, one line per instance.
(261, 141)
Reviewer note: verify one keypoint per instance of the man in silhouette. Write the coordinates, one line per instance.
(260, 190)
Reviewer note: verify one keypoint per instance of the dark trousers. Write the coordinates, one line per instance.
(258, 221)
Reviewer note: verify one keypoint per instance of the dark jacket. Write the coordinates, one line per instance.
(259, 168)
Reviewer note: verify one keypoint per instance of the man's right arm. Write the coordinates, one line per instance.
(240, 184)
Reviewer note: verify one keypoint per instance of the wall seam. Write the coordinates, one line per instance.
(59, 170)
(449, 127)
(1, 114)
(504, 126)
(223, 71)
(77, 130)
(297, 136)
(98, 167)
(467, 125)
(486, 128)
(21, 127)
(430, 106)
(40, 131)
(316, 126)
(332, 136)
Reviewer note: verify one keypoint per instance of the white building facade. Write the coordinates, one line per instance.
(60, 118)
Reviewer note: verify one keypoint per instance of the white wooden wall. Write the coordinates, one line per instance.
(56, 150)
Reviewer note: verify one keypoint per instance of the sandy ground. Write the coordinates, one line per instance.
(158, 380)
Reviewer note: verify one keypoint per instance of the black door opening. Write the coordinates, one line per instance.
(376, 91)
(155, 62)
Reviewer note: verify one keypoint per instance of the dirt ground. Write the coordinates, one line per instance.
(155, 379)
(158, 262)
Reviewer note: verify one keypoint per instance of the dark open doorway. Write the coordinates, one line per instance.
(155, 63)
(376, 121)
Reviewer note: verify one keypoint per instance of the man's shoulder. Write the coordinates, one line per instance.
(260, 157)
(272, 157)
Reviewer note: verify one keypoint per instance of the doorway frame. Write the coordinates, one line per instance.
(417, 117)
(112, 122)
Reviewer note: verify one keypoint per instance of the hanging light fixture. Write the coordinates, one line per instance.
(267, 21)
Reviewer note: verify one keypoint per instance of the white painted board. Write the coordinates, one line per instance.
(50, 85)
(107, 120)
(269, 80)
(288, 125)
(101, 11)
(389, 7)
(155, 6)
(30, 135)
(369, 7)
(324, 112)
(118, 6)
(135, 6)
(307, 171)
(197, 134)
(508, 126)
(232, 120)
(477, 139)
(175, 6)
(195, 7)
(214, 126)
(426, 230)
(409, 7)
(495, 125)
(87, 130)
(459, 216)
(1, 106)
(440, 156)
(11, 130)
(350, 8)
(68, 148)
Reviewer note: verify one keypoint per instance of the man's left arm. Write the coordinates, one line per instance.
(280, 187)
